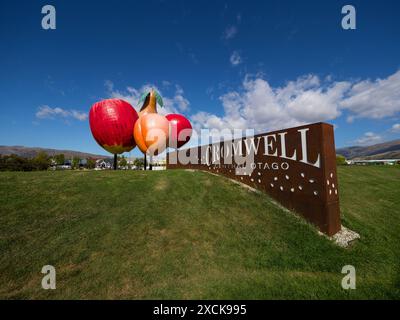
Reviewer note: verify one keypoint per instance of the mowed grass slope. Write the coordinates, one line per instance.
(179, 234)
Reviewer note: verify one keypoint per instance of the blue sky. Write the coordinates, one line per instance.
(248, 64)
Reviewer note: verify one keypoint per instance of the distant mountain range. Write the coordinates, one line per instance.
(31, 152)
(386, 150)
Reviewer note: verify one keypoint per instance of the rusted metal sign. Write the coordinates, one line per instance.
(295, 166)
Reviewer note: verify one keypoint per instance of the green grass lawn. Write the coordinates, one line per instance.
(182, 235)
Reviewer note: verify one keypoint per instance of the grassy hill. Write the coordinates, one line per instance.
(179, 234)
(385, 150)
(31, 152)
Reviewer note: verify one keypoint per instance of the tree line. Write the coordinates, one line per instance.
(42, 161)
(17, 163)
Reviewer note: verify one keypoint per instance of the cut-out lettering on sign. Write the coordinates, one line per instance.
(295, 166)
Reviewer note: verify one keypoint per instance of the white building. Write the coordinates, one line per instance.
(368, 162)
(103, 164)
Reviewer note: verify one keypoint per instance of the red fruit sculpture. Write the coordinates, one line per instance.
(180, 130)
(112, 122)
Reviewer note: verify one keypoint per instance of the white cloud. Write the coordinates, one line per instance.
(178, 100)
(109, 85)
(369, 138)
(46, 112)
(175, 104)
(81, 116)
(257, 105)
(166, 83)
(229, 33)
(235, 58)
(396, 127)
(374, 99)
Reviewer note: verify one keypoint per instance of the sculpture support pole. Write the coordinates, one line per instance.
(145, 161)
(151, 163)
(115, 161)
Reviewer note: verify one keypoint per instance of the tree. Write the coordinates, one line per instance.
(75, 162)
(122, 162)
(138, 162)
(340, 160)
(41, 161)
(91, 163)
(15, 163)
(60, 159)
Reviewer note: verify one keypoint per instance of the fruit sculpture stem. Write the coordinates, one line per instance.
(115, 161)
(151, 163)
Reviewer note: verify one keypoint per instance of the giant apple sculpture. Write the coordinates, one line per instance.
(180, 130)
(151, 130)
(112, 122)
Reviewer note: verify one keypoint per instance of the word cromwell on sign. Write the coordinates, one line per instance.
(295, 166)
